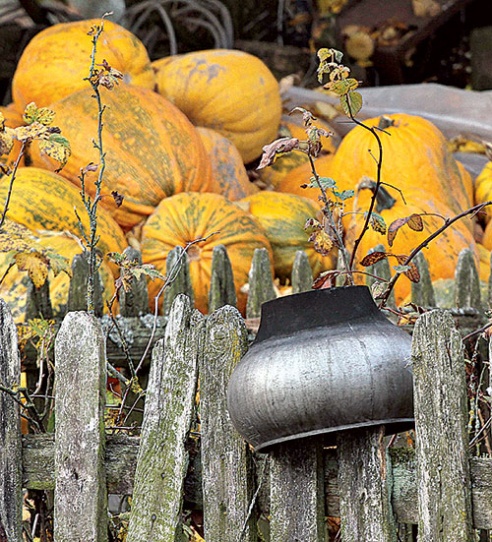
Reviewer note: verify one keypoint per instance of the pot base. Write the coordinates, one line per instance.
(330, 435)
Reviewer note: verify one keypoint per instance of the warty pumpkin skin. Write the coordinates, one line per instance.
(230, 91)
(442, 253)
(56, 62)
(13, 289)
(152, 149)
(415, 156)
(228, 170)
(189, 216)
(43, 200)
(283, 217)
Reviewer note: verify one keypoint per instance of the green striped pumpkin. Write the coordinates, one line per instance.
(186, 217)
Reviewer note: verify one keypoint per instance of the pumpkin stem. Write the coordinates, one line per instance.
(385, 122)
(384, 200)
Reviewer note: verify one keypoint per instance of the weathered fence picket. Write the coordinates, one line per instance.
(296, 492)
(227, 475)
(162, 459)
(365, 507)
(443, 470)
(260, 283)
(375, 491)
(10, 435)
(80, 499)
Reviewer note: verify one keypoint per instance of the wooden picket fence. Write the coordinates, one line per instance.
(187, 451)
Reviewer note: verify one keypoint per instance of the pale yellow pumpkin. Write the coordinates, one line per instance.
(56, 62)
(230, 91)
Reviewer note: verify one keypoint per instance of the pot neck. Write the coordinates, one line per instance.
(315, 308)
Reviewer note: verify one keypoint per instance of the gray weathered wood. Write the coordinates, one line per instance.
(260, 283)
(77, 292)
(467, 281)
(302, 274)
(296, 491)
(365, 508)
(10, 432)
(80, 499)
(178, 280)
(135, 301)
(222, 290)
(38, 302)
(162, 458)
(441, 406)
(227, 477)
(423, 291)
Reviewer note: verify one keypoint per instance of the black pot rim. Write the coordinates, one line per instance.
(315, 308)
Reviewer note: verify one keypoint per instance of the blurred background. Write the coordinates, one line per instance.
(384, 42)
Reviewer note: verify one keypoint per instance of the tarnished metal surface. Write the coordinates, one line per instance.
(323, 361)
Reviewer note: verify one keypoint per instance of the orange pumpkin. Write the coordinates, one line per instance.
(56, 62)
(283, 217)
(13, 119)
(43, 200)
(442, 253)
(230, 91)
(415, 157)
(293, 181)
(483, 190)
(152, 149)
(184, 218)
(272, 177)
(228, 170)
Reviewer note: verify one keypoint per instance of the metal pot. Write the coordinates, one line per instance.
(322, 361)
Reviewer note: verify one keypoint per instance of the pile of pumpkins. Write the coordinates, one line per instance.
(181, 135)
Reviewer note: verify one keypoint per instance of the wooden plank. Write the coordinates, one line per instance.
(80, 498)
(441, 406)
(296, 491)
(302, 274)
(162, 459)
(135, 301)
(467, 281)
(222, 290)
(77, 292)
(365, 508)
(178, 280)
(10, 432)
(260, 283)
(227, 476)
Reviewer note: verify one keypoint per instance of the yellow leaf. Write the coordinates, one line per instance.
(6, 140)
(42, 115)
(36, 264)
(36, 130)
(321, 241)
(57, 148)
